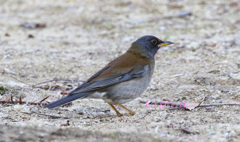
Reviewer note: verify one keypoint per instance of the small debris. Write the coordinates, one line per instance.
(64, 92)
(7, 34)
(33, 25)
(48, 87)
(65, 122)
(184, 14)
(30, 36)
(214, 71)
(186, 130)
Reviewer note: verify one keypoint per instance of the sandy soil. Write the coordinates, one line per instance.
(73, 39)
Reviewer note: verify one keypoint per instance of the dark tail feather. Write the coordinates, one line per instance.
(65, 100)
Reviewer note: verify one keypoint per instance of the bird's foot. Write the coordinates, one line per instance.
(120, 115)
(131, 113)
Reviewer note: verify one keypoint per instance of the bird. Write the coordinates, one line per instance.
(123, 79)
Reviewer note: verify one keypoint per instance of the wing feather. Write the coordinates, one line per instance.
(105, 82)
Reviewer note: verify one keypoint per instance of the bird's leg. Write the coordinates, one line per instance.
(118, 113)
(129, 111)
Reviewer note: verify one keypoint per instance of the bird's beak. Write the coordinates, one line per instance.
(165, 43)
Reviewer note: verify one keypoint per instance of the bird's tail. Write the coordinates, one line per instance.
(65, 100)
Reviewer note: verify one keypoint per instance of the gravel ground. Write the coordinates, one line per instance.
(69, 40)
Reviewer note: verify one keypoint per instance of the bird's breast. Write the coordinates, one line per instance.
(131, 89)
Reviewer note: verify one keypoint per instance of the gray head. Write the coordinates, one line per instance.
(148, 45)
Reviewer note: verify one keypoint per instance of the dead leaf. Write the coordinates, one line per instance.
(191, 105)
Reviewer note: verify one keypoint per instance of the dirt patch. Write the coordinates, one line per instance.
(80, 37)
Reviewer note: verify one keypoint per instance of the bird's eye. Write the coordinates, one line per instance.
(154, 41)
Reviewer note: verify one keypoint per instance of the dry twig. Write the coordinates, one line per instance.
(18, 80)
(40, 103)
(218, 104)
(19, 101)
(43, 99)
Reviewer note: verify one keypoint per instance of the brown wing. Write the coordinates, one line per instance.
(123, 68)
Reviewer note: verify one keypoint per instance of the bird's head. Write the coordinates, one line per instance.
(148, 45)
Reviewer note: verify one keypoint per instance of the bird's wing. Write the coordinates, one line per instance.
(95, 83)
(86, 83)
(104, 78)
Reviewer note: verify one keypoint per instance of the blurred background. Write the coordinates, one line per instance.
(72, 39)
(38, 35)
